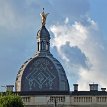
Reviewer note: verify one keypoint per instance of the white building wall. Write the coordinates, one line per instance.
(65, 101)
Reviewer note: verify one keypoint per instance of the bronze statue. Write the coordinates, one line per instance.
(43, 16)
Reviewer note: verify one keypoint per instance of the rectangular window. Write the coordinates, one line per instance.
(26, 99)
(57, 98)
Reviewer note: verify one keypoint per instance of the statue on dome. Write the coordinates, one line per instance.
(43, 16)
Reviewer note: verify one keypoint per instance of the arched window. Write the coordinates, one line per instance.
(47, 45)
(42, 45)
(38, 46)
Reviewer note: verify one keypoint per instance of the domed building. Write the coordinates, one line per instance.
(42, 72)
(42, 82)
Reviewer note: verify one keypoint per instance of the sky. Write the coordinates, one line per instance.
(78, 31)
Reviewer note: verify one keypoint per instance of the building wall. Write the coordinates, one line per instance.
(64, 101)
(89, 101)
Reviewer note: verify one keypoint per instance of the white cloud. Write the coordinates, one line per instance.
(66, 20)
(88, 39)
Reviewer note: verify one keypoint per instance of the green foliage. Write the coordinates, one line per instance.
(10, 100)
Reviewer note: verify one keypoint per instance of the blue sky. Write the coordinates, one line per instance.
(78, 37)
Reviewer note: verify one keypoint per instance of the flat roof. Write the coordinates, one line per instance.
(72, 93)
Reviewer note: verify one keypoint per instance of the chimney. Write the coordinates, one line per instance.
(93, 87)
(103, 89)
(9, 87)
(75, 87)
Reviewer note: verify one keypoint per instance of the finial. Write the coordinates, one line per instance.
(43, 17)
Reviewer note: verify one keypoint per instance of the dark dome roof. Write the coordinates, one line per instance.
(42, 74)
(43, 33)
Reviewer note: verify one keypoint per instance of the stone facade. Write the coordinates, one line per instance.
(65, 101)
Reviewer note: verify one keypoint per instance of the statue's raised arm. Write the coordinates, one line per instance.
(43, 16)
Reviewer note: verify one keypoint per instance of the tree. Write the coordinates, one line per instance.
(10, 100)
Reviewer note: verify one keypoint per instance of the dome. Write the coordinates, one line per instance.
(43, 33)
(42, 74)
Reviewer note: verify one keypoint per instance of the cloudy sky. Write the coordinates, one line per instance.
(78, 31)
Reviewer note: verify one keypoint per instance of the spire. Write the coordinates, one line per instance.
(43, 36)
(43, 17)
